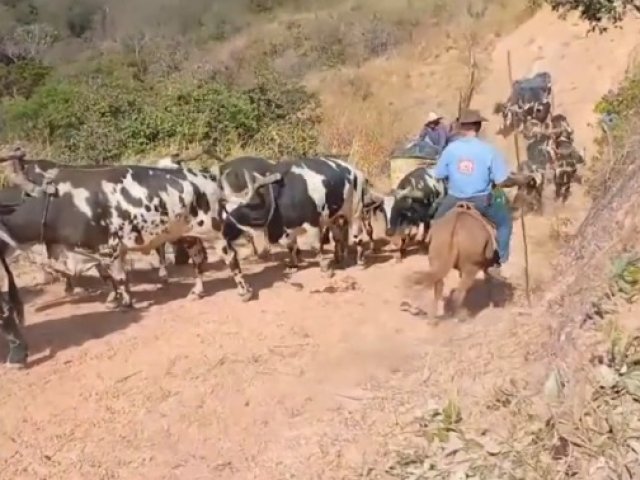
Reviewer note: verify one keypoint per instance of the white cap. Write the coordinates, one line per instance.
(432, 117)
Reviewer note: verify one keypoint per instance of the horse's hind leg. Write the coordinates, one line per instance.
(438, 288)
(467, 278)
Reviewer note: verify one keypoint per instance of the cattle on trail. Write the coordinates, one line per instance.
(234, 182)
(411, 204)
(114, 210)
(528, 106)
(462, 239)
(307, 195)
(560, 129)
(566, 159)
(65, 261)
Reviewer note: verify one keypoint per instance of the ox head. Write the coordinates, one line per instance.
(510, 114)
(528, 197)
(176, 160)
(403, 210)
(254, 210)
(14, 168)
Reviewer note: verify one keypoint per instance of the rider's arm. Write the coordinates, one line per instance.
(500, 174)
(423, 134)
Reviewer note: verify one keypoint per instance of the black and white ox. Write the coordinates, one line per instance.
(528, 105)
(566, 160)
(560, 129)
(307, 195)
(61, 260)
(113, 210)
(411, 205)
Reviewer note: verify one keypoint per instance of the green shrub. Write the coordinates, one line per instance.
(106, 115)
(20, 79)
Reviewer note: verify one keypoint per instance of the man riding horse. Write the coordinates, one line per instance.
(472, 167)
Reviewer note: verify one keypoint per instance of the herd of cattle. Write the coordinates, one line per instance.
(551, 154)
(92, 216)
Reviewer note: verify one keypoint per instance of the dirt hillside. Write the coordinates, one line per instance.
(309, 381)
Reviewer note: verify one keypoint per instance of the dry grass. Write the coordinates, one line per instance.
(369, 109)
(588, 426)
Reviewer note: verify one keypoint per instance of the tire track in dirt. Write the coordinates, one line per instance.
(298, 384)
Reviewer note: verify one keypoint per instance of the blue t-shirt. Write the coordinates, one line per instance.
(471, 165)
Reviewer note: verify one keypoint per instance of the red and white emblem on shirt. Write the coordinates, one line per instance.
(465, 166)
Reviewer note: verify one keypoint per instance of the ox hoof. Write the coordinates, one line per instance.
(112, 297)
(290, 270)
(398, 258)
(17, 357)
(246, 295)
(361, 265)
(125, 306)
(195, 295)
(329, 273)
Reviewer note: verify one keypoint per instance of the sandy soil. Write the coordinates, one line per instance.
(310, 381)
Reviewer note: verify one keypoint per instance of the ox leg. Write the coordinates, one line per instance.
(18, 349)
(118, 275)
(423, 237)
(230, 257)
(180, 253)
(163, 275)
(368, 227)
(402, 250)
(68, 285)
(358, 240)
(198, 257)
(291, 243)
(315, 239)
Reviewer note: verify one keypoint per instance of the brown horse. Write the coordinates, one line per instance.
(462, 239)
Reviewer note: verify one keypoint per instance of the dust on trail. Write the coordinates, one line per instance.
(300, 383)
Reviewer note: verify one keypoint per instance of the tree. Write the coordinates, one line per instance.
(598, 13)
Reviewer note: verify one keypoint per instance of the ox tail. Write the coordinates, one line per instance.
(15, 301)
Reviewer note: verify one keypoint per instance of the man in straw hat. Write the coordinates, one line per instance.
(472, 167)
(435, 131)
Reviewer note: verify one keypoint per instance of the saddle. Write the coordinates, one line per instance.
(469, 209)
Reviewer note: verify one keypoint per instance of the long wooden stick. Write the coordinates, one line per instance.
(516, 144)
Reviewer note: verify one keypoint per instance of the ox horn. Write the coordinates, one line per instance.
(409, 192)
(17, 154)
(253, 185)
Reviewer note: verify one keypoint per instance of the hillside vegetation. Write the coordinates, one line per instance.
(101, 81)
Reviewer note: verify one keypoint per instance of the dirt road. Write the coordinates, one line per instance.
(308, 382)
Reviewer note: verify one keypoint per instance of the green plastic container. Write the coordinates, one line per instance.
(499, 197)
